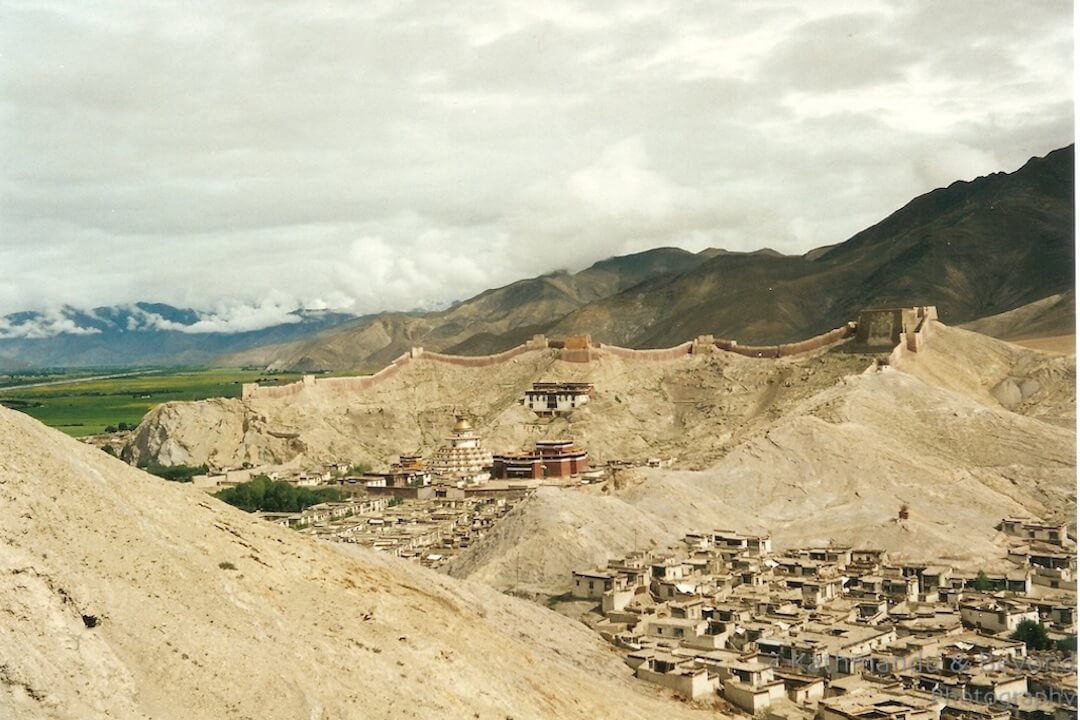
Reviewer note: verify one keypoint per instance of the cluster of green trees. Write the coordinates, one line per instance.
(264, 494)
(119, 427)
(1034, 635)
(176, 473)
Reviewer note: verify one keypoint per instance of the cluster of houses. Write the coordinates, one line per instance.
(429, 532)
(844, 633)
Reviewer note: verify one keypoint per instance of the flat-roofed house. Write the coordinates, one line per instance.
(679, 674)
(880, 705)
(751, 686)
(996, 615)
(555, 398)
(592, 584)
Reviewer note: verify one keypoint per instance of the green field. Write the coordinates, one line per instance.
(87, 406)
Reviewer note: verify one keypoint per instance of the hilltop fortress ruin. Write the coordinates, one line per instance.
(887, 332)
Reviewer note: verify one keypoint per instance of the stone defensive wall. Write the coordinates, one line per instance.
(657, 355)
(362, 382)
(473, 361)
(907, 328)
(913, 337)
(251, 391)
(788, 349)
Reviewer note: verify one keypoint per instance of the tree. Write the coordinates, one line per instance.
(982, 583)
(1033, 635)
(266, 495)
(359, 468)
(1067, 645)
(110, 428)
(176, 473)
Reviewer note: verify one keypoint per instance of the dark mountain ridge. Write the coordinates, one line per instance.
(975, 248)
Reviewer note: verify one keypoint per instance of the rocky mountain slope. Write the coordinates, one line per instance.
(809, 448)
(931, 434)
(125, 596)
(493, 320)
(140, 335)
(1053, 316)
(973, 249)
(693, 409)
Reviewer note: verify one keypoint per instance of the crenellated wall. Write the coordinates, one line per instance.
(912, 340)
(655, 355)
(363, 382)
(579, 349)
(251, 391)
(476, 360)
(787, 349)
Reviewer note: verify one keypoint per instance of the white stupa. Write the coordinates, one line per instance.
(462, 460)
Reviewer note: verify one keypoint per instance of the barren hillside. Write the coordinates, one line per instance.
(1049, 323)
(129, 597)
(692, 409)
(492, 321)
(931, 434)
(973, 249)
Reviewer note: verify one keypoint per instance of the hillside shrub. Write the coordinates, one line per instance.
(266, 495)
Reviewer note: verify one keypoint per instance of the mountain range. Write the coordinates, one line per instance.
(141, 334)
(975, 249)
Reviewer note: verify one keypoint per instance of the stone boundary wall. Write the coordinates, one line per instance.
(252, 390)
(363, 382)
(914, 340)
(911, 342)
(473, 361)
(655, 355)
(788, 349)
(578, 356)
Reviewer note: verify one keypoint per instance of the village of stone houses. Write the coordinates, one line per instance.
(724, 619)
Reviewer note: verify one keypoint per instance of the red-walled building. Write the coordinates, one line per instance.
(550, 458)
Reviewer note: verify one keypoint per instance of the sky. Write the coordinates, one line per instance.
(245, 157)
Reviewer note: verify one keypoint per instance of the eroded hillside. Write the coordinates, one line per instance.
(691, 409)
(930, 435)
(125, 596)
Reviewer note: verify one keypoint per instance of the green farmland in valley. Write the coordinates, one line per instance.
(85, 403)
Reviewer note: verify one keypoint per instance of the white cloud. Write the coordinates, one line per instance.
(405, 154)
(620, 183)
(48, 325)
(228, 318)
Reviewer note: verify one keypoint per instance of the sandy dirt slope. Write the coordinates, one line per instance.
(128, 597)
(837, 467)
(1051, 316)
(999, 374)
(693, 409)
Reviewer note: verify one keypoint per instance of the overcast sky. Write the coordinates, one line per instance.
(249, 157)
